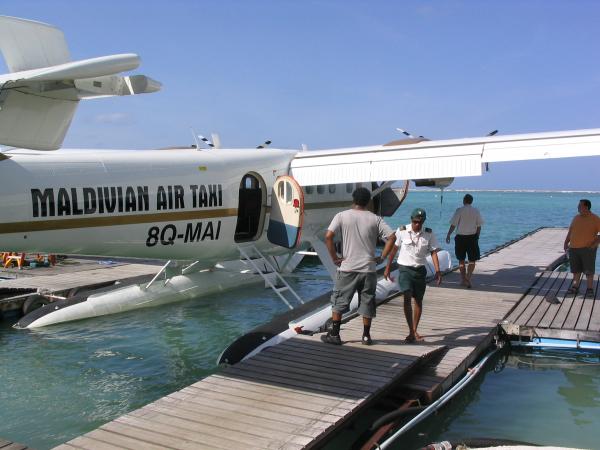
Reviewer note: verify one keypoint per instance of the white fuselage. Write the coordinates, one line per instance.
(169, 204)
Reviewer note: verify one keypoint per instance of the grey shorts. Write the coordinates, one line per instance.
(412, 279)
(346, 284)
(583, 260)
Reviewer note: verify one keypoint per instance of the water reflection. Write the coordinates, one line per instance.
(545, 398)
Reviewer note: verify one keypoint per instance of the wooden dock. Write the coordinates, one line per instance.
(8, 445)
(67, 277)
(548, 311)
(299, 393)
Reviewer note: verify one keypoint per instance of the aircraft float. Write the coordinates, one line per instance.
(221, 213)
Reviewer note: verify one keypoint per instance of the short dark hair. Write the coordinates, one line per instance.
(586, 202)
(468, 199)
(361, 196)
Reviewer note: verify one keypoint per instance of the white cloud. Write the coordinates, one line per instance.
(116, 118)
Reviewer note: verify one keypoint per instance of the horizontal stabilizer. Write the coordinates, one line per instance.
(86, 68)
(116, 85)
(35, 122)
(27, 45)
(40, 95)
(437, 159)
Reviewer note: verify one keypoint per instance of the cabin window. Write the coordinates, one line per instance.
(320, 189)
(288, 193)
(250, 182)
(349, 188)
(332, 188)
(281, 190)
(309, 189)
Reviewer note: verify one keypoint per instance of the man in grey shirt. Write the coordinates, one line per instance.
(359, 229)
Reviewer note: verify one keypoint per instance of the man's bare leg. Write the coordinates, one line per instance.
(576, 279)
(470, 270)
(417, 317)
(408, 314)
(463, 272)
(590, 280)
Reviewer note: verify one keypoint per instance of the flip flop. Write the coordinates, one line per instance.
(573, 290)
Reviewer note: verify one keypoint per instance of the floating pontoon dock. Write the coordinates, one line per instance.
(298, 394)
(8, 445)
(68, 276)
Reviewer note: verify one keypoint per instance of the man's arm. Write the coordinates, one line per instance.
(389, 244)
(567, 240)
(478, 231)
(436, 266)
(331, 248)
(450, 230)
(391, 248)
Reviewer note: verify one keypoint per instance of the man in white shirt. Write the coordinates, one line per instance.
(359, 229)
(415, 244)
(467, 221)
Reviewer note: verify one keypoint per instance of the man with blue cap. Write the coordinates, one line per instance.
(415, 243)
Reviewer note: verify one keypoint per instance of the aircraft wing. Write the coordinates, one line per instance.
(437, 159)
(39, 96)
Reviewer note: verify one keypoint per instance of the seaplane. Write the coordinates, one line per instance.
(219, 216)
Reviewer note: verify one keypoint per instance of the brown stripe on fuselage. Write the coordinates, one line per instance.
(89, 222)
(109, 221)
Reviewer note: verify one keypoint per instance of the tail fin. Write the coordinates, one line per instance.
(39, 97)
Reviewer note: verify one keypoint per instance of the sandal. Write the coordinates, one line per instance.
(589, 292)
(573, 290)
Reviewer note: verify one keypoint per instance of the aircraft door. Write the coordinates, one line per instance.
(287, 212)
(251, 213)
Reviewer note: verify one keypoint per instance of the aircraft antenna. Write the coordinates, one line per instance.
(264, 144)
(195, 136)
(405, 133)
(487, 165)
(206, 141)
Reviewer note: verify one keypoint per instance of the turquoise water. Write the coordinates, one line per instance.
(69, 379)
(545, 398)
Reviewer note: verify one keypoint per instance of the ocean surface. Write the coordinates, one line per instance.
(60, 382)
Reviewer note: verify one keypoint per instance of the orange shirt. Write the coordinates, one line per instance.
(584, 229)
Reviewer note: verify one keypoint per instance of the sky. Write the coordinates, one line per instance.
(344, 73)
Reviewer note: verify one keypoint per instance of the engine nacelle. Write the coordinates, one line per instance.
(434, 182)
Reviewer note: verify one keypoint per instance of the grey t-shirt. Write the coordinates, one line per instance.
(360, 230)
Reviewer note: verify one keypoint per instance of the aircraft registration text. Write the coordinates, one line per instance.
(194, 232)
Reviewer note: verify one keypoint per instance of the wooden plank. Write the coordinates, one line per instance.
(189, 414)
(12, 446)
(594, 324)
(585, 314)
(537, 301)
(574, 313)
(563, 312)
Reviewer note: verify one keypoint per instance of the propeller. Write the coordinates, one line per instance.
(264, 144)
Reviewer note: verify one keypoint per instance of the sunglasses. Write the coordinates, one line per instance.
(417, 221)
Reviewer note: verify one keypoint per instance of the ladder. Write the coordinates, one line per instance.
(269, 266)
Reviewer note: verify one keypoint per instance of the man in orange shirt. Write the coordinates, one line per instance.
(582, 243)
